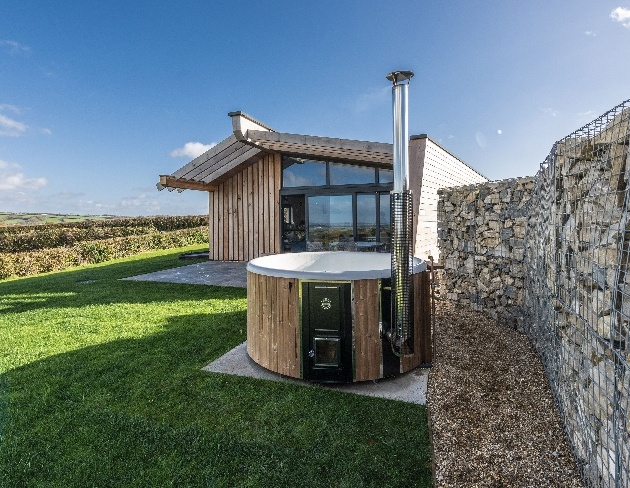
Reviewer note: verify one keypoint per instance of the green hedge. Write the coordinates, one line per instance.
(24, 238)
(98, 251)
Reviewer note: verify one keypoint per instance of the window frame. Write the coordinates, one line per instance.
(336, 190)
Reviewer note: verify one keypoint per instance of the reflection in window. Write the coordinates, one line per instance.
(385, 230)
(327, 351)
(366, 217)
(329, 221)
(300, 172)
(345, 174)
(293, 223)
(385, 176)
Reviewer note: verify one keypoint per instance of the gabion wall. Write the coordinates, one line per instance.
(549, 255)
(481, 234)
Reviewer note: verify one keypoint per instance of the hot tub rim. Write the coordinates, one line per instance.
(254, 266)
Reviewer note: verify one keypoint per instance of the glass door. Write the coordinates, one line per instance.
(330, 223)
(293, 223)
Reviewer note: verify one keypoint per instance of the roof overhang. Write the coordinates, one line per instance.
(376, 153)
(251, 139)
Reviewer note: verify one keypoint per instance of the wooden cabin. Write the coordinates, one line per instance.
(272, 192)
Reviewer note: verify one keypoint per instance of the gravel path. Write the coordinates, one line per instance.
(493, 418)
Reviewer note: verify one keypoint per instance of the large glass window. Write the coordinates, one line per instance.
(346, 174)
(366, 217)
(330, 221)
(330, 205)
(385, 229)
(385, 176)
(298, 173)
(301, 172)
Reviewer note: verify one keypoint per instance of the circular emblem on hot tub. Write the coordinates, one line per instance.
(326, 304)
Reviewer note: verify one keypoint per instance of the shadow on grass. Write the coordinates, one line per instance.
(139, 412)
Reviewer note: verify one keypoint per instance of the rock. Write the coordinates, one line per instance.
(601, 303)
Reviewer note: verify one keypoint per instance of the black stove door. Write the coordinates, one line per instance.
(327, 331)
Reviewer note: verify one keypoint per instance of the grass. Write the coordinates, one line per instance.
(100, 385)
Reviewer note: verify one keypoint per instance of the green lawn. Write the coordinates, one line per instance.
(100, 385)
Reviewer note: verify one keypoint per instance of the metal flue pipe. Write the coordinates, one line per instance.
(400, 95)
(401, 205)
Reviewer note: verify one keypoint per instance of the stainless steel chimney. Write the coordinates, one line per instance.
(401, 220)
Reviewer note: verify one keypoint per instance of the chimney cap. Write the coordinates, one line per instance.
(399, 76)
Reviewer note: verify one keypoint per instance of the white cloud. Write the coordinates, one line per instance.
(13, 180)
(192, 150)
(591, 33)
(141, 204)
(481, 139)
(550, 111)
(375, 98)
(10, 127)
(622, 15)
(10, 108)
(5, 164)
(15, 47)
(68, 195)
(46, 131)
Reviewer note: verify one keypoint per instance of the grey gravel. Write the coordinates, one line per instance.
(494, 422)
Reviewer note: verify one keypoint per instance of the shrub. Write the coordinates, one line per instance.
(30, 238)
(91, 252)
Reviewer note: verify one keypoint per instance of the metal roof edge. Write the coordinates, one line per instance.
(323, 141)
(240, 113)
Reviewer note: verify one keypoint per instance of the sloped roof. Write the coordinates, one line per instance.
(209, 169)
(251, 137)
(342, 149)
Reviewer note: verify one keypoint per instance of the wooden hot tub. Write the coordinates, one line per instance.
(321, 316)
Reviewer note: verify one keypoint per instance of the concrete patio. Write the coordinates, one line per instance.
(410, 387)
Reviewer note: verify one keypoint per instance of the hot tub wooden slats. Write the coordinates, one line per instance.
(422, 346)
(423, 309)
(273, 327)
(368, 349)
(273, 323)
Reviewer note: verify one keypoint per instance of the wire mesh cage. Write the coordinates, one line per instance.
(550, 255)
(577, 293)
(401, 208)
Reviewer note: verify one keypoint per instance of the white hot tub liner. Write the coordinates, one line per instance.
(338, 265)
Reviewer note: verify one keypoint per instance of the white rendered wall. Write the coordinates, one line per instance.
(437, 168)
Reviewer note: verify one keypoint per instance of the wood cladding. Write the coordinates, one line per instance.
(368, 346)
(368, 350)
(422, 337)
(273, 329)
(244, 212)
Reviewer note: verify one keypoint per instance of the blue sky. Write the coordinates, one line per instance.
(98, 98)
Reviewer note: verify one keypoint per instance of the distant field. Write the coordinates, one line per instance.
(37, 219)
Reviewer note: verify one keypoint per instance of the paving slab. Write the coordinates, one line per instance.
(217, 273)
(410, 387)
